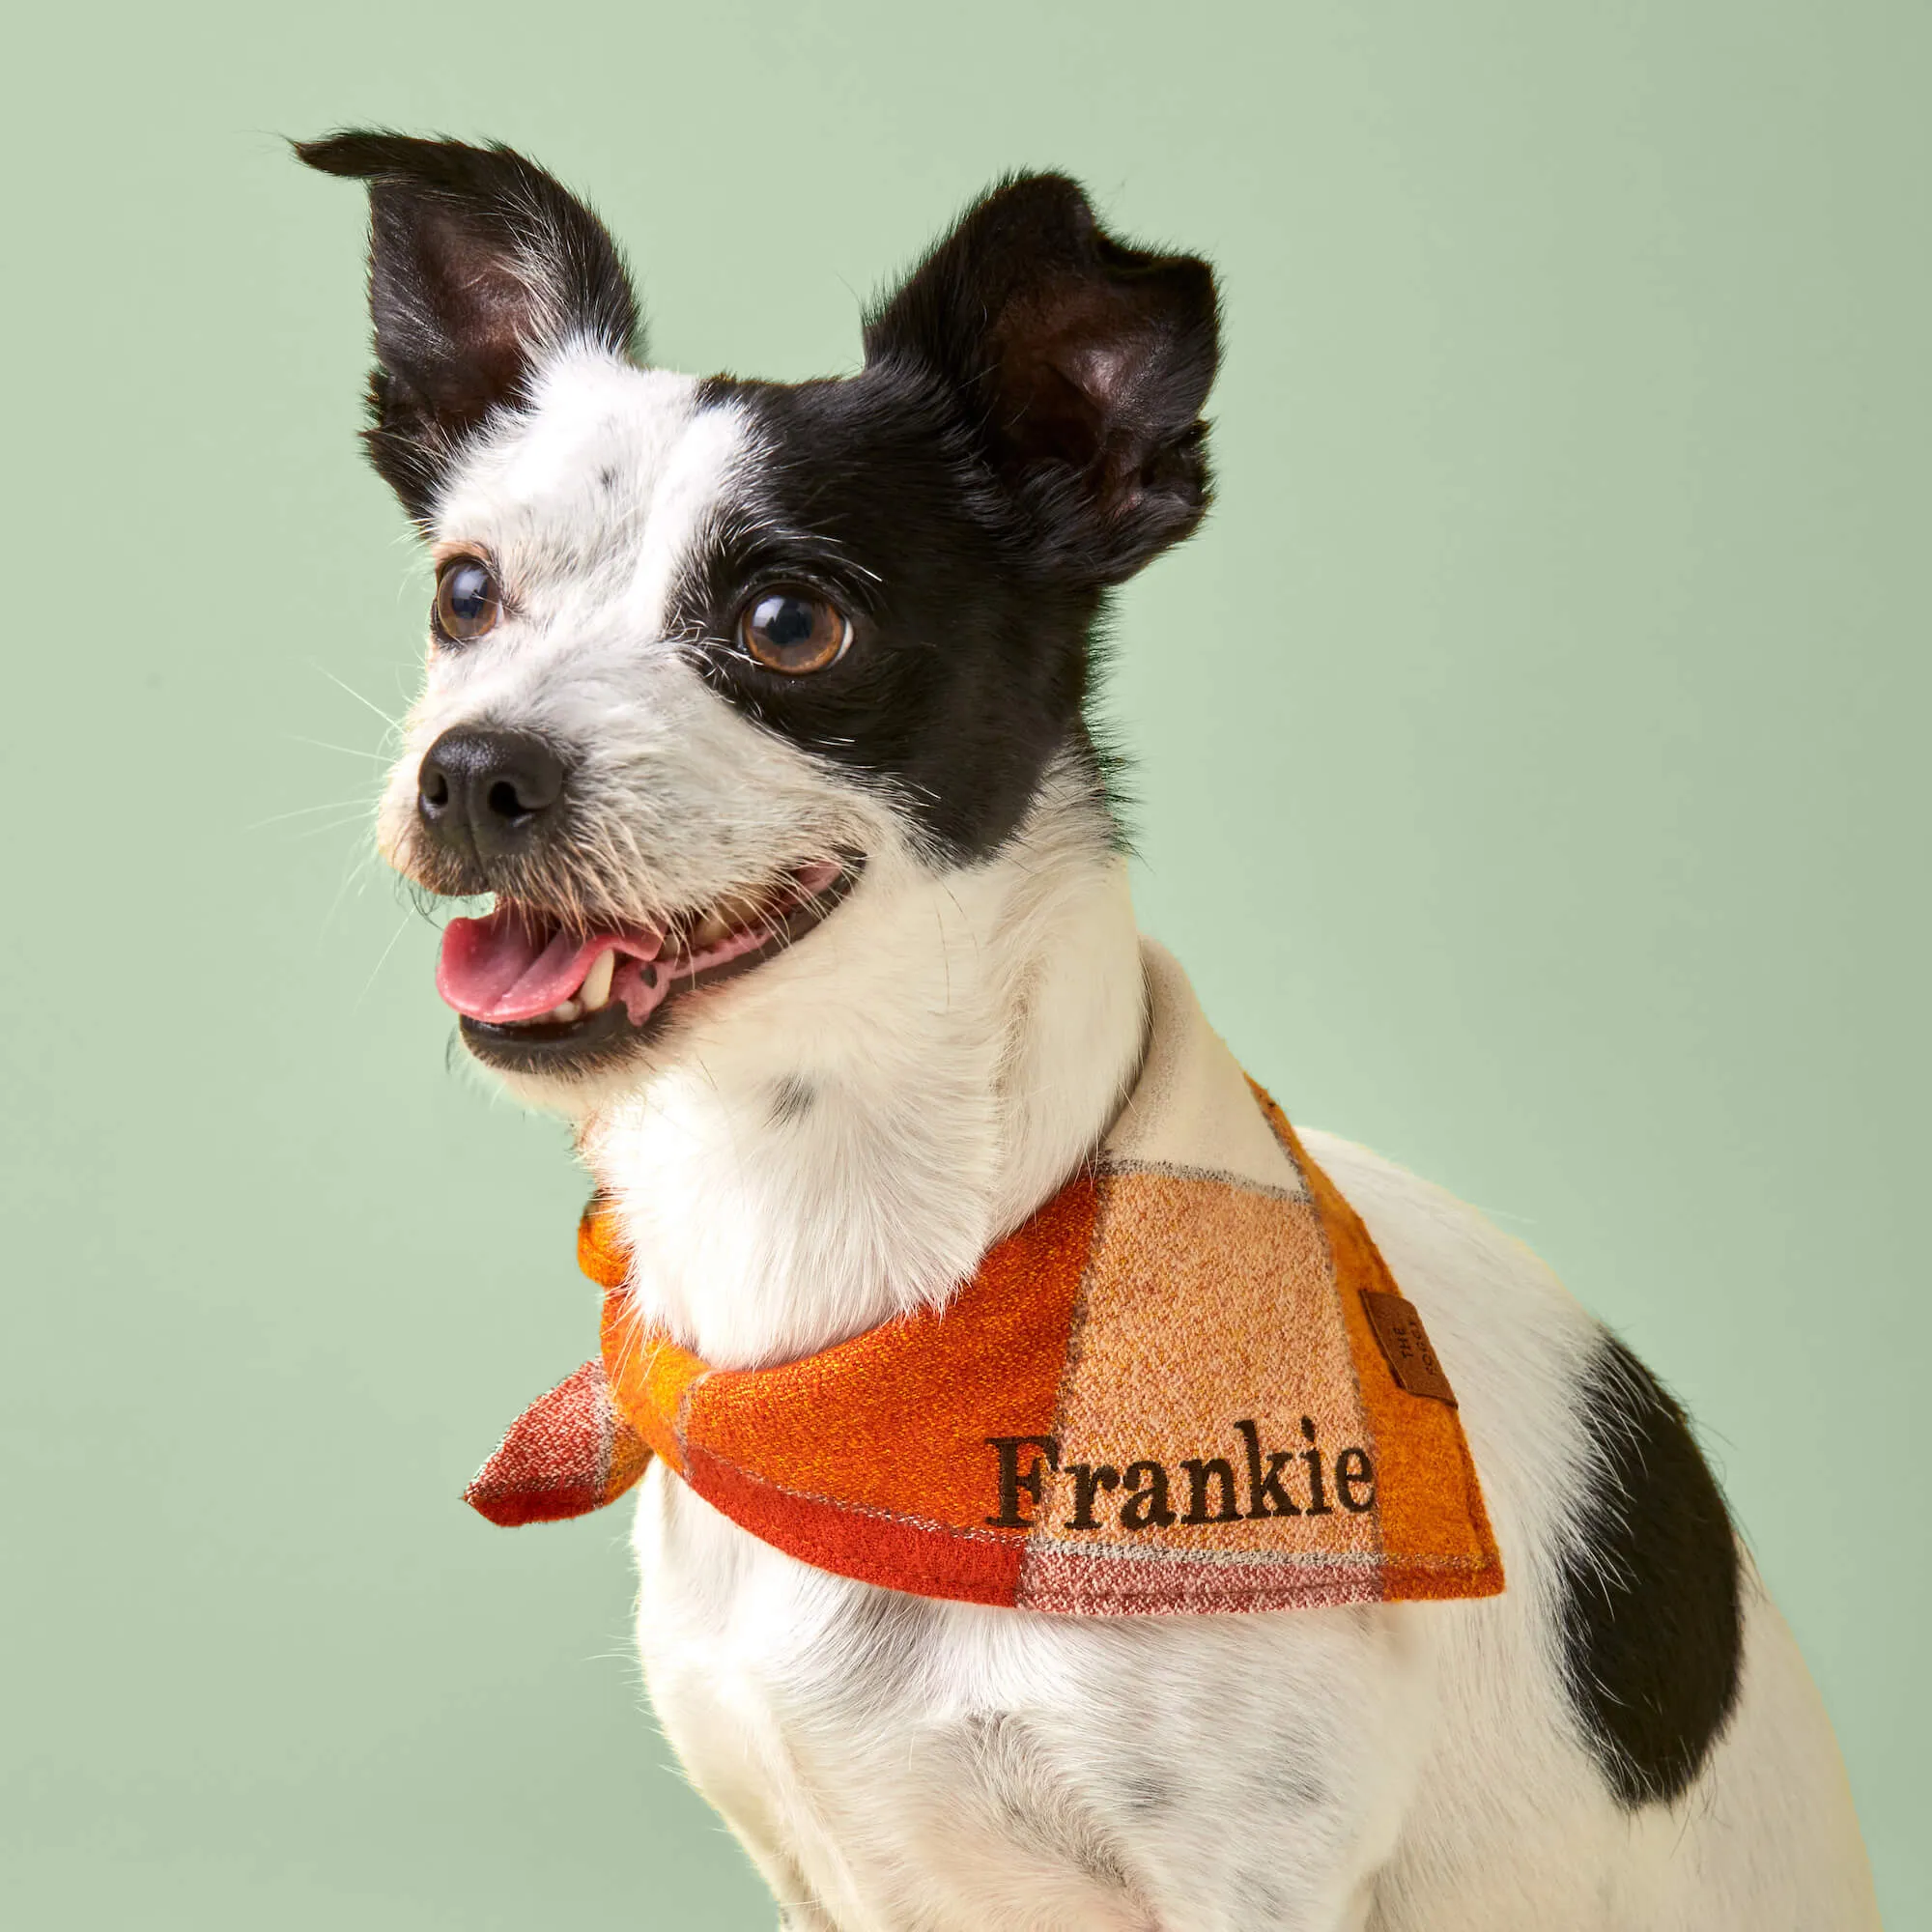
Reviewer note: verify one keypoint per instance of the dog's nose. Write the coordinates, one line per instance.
(485, 793)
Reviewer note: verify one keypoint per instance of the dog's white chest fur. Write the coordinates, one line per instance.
(900, 1763)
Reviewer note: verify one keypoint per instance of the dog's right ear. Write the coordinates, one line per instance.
(480, 265)
(1082, 364)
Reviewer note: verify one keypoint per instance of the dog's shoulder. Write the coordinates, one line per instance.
(1605, 1509)
(1516, 1344)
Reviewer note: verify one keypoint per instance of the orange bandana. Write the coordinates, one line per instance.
(1187, 1383)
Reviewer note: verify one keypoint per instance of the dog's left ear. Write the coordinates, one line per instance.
(1082, 364)
(480, 264)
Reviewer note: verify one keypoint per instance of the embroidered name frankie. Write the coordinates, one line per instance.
(1147, 1492)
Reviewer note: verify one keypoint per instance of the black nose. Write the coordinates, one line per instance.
(485, 793)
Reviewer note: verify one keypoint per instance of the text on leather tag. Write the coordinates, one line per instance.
(1406, 1343)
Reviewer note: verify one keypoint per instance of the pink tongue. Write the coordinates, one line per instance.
(503, 968)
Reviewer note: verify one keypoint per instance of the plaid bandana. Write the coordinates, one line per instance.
(1187, 1383)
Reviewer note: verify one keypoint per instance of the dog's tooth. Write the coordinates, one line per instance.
(595, 990)
(710, 930)
(564, 1012)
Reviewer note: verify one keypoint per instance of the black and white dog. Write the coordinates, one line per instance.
(797, 675)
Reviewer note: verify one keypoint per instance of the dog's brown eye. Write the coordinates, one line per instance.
(467, 599)
(794, 631)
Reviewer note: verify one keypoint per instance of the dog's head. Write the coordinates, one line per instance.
(710, 660)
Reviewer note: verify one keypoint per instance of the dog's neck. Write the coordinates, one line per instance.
(842, 1144)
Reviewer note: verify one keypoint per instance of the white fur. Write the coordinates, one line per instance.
(838, 1137)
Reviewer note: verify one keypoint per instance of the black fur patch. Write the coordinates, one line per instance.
(792, 1099)
(969, 663)
(1025, 433)
(1650, 1611)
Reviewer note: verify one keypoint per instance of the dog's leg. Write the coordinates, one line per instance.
(757, 1831)
(798, 1909)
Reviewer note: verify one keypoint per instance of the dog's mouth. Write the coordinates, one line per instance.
(539, 995)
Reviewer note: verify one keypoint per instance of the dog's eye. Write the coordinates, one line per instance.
(467, 599)
(794, 631)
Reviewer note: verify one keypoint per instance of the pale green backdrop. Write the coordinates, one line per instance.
(1532, 766)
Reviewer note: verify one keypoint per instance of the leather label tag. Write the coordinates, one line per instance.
(1404, 1342)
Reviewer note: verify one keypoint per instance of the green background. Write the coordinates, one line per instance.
(1532, 764)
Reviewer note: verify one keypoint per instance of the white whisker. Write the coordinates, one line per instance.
(394, 724)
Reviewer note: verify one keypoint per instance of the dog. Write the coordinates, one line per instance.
(763, 710)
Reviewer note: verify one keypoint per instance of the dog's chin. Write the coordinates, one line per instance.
(580, 1052)
(566, 1051)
